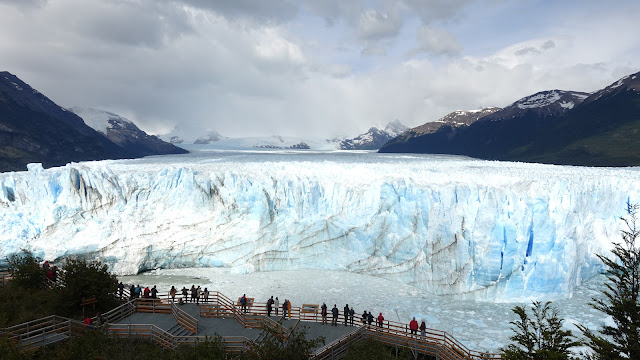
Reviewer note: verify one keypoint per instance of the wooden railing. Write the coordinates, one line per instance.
(119, 313)
(5, 276)
(40, 332)
(187, 321)
(338, 347)
(152, 305)
(222, 306)
(435, 343)
(232, 344)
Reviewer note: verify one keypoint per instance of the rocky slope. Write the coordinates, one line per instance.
(35, 129)
(125, 133)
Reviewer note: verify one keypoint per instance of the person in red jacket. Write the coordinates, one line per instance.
(380, 320)
(413, 326)
(146, 292)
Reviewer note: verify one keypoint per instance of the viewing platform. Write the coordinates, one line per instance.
(170, 324)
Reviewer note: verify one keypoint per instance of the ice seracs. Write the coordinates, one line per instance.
(476, 229)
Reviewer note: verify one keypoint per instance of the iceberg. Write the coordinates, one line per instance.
(474, 229)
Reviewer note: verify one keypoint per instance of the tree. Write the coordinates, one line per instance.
(26, 273)
(621, 296)
(295, 347)
(87, 279)
(540, 337)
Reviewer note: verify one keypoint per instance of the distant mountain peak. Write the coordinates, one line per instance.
(454, 119)
(124, 132)
(100, 120)
(209, 137)
(565, 99)
(374, 138)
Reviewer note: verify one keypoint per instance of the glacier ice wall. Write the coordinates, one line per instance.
(485, 230)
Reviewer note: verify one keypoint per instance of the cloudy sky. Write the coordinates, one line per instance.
(311, 67)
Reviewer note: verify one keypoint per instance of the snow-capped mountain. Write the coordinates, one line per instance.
(544, 103)
(214, 140)
(629, 83)
(35, 129)
(453, 119)
(208, 138)
(124, 132)
(558, 127)
(374, 138)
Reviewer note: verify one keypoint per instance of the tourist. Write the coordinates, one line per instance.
(423, 329)
(289, 308)
(138, 291)
(198, 293)
(173, 293)
(205, 293)
(352, 314)
(193, 293)
(99, 319)
(334, 312)
(185, 294)
(88, 322)
(243, 303)
(269, 305)
(154, 292)
(413, 326)
(45, 266)
(346, 314)
(120, 290)
(147, 292)
(323, 312)
(285, 307)
(380, 320)
(370, 318)
(276, 305)
(364, 318)
(132, 292)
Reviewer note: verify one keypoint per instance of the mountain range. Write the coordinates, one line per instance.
(373, 139)
(35, 129)
(556, 127)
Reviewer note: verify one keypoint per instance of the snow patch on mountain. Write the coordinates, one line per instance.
(100, 120)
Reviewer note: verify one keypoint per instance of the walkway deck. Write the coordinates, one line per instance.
(229, 326)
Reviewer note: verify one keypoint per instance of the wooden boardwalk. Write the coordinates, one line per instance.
(229, 326)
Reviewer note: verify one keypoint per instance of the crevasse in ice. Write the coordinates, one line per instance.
(478, 229)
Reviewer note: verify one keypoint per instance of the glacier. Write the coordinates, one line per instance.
(473, 229)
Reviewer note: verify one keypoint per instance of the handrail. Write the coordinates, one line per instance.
(338, 346)
(167, 340)
(222, 305)
(120, 312)
(187, 321)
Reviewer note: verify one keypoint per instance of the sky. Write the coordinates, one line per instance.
(311, 68)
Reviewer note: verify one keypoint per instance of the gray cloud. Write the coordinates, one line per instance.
(549, 44)
(436, 42)
(375, 25)
(24, 3)
(526, 51)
